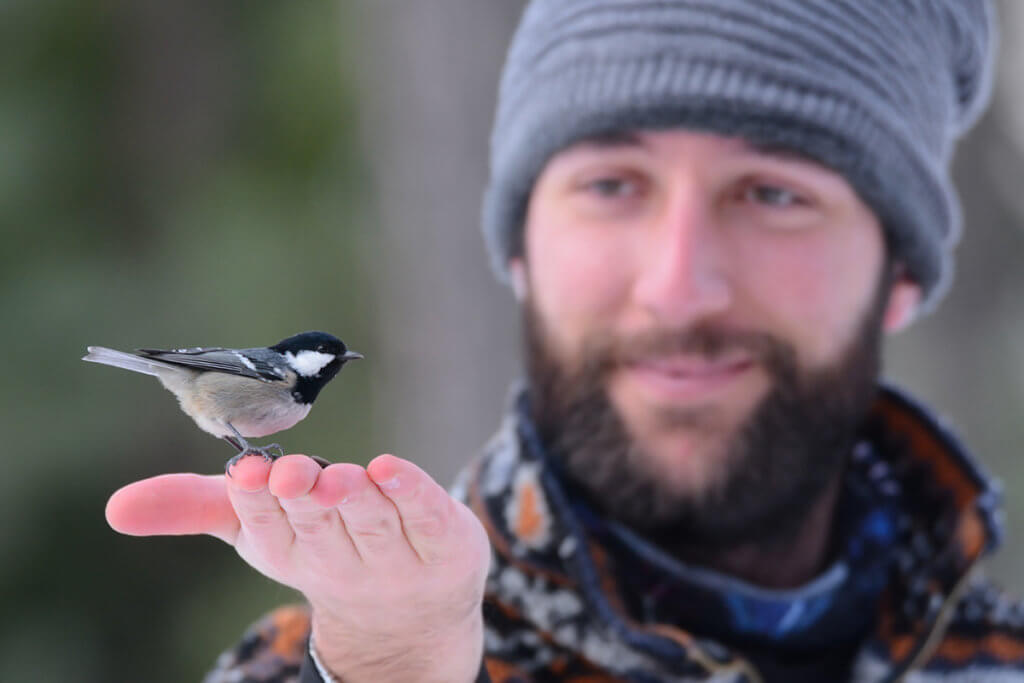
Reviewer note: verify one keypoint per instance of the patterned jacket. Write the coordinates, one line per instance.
(558, 608)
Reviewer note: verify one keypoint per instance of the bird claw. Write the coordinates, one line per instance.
(264, 451)
(271, 446)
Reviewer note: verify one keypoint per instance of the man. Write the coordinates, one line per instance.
(710, 210)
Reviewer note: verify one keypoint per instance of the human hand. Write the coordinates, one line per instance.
(393, 567)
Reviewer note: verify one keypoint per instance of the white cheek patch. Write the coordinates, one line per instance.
(308, 363)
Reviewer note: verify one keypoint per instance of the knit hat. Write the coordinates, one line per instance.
(878, 90)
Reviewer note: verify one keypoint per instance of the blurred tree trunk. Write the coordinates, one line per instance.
(448, 344)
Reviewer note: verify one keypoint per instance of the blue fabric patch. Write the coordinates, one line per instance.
(775, 619)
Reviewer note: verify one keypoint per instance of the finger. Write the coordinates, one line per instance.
(369, 517)
(426, 511)
(263, 523)
(314, 521)
(293, 476)
(174, 504)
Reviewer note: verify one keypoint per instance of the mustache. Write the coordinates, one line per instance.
(609, 351)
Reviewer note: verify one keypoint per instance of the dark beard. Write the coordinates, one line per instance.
(771, 470)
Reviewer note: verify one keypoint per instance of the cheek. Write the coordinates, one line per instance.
(817, 291)
(803, 289)
(577, 281)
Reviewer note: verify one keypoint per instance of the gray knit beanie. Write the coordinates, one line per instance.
(878, 90)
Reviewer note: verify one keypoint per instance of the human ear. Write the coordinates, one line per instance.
(904, 299)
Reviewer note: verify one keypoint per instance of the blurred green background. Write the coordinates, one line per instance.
(184, 173)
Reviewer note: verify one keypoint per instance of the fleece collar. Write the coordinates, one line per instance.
(927, 514)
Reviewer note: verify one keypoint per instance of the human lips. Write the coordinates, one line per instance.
(687, 377)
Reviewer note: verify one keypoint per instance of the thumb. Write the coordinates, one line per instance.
(174, 505)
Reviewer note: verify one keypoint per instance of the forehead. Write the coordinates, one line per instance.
(686, 142)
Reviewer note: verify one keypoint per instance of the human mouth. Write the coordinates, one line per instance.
(687, 378)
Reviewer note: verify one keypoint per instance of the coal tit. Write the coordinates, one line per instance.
(239, 393)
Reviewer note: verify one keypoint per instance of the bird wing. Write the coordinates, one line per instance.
(242, 362)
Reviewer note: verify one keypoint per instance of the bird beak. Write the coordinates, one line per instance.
(351, 355)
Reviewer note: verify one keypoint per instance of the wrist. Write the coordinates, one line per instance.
(453, 656)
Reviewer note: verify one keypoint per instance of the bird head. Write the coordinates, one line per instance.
(316, 357)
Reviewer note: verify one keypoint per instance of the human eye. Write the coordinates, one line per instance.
(611, 187)
(773, 196)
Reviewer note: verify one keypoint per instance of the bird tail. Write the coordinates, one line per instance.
(128, 361)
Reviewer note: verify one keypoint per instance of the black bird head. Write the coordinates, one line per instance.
(316, 357)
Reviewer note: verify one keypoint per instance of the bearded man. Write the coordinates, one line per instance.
(711, 211)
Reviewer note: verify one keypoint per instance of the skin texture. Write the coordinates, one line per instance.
(393, 567)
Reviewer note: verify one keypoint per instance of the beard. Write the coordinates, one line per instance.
(766, 473)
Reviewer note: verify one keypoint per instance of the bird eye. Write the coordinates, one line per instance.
(320, 348)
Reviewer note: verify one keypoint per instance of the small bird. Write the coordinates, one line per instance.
(239, 393)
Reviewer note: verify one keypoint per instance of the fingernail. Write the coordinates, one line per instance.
(389, 484)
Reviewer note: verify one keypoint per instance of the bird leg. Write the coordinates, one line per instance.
(245, 448)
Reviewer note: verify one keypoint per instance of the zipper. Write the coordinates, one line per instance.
(938, 629)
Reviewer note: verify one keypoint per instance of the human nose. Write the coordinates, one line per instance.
(682, 278)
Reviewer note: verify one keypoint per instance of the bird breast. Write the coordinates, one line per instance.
(255, 408)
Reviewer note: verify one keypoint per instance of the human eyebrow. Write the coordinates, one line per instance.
(612, 139)
(783, 153)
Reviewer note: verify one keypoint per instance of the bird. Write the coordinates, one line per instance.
(235, 394)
